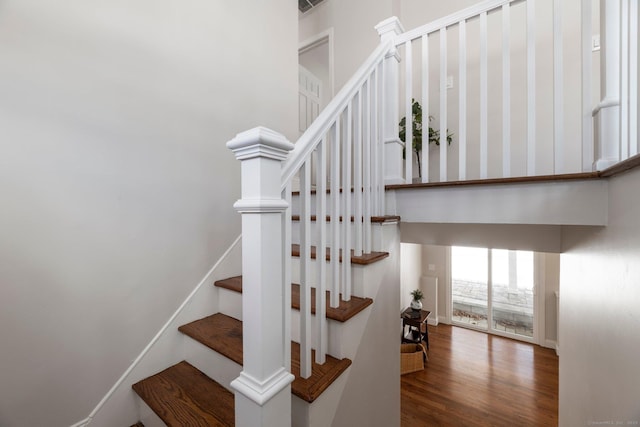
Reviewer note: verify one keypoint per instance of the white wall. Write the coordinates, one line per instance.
(552, 285)
(353, 22)
(436, 257)
(116, 185)
(410, 271)
(599, 322)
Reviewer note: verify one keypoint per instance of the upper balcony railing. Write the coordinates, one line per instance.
(504, 82)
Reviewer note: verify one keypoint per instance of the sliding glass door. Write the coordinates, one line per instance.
(493, 290)
(470, 287)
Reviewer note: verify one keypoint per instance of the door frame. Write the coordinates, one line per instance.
(539, 271)
(319, 39)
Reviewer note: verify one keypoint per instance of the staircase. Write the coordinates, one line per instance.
(183, 395)
(301, 334)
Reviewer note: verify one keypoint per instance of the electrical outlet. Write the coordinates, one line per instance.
(449, 82)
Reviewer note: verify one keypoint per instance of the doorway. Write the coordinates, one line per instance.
(315, 77)
(494, 290)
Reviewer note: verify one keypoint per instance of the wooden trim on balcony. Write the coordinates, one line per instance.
(496, 181)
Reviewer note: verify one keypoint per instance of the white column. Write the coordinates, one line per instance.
(263, 389)
(388, 30)
(607, 113)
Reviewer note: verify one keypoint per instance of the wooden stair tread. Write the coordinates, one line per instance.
(364, 259)
(218, 332)
(181, 395)
(345, 311)
(223, 334)
(374, 219)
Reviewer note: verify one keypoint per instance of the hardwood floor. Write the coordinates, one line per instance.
(476, 379)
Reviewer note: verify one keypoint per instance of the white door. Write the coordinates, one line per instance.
(309, 87)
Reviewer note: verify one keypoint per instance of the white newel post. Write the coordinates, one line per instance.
(393, 172)
(607, 113)
(263, 389)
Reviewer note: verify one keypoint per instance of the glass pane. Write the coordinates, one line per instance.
(469, 274)
(512, 290)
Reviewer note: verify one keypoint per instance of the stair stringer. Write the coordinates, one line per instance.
(371, 385)
(371, 396)
(121, 405)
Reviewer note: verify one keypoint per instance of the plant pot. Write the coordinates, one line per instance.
(416, 305)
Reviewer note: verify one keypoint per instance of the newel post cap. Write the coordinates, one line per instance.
(260, 142)
(390, 25)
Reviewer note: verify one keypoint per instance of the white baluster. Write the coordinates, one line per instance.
(346, 216)
(531, 87)
(379, 141)
(286, 257)
(335, 217)
(321, 247)
(263, 389)
(366, 169)
(408, 110)
(506, 91)
(305, 269)
(357, 176)
(558, 93)
(444, 146)
(587, 107)
(483, 96)
(462, 101)
(374, 149)
(425, 108)
(624, 79)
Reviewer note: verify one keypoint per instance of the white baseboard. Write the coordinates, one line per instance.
(550, 344)
(443, 319)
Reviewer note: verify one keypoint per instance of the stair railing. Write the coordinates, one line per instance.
(344, 149)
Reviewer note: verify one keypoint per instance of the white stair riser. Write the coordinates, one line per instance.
(211, 363)
(340, 335)
(230, 303)
(148, 417)
(357, 272)
(320, 412)
(376, 234)
(295, 204)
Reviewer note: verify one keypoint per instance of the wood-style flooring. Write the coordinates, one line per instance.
(476, 379)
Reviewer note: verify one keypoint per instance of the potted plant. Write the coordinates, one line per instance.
(416, 302)
(416, 145)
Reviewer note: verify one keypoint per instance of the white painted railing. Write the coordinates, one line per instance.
(343, 145)
(474, 95)
(343, 148)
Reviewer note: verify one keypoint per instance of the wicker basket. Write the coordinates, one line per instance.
(412, 357)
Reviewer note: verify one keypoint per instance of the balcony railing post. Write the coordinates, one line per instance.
(607, 114)
(388, 30)
(263, 389)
